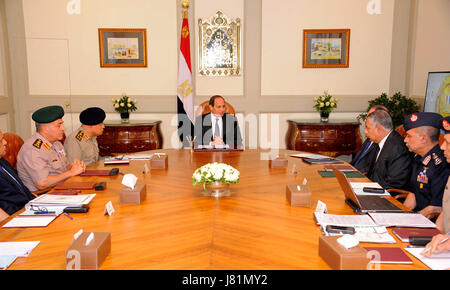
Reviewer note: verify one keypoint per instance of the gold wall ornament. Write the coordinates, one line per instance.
(219, 46)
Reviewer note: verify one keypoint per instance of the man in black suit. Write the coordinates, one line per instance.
(363, 159)
(217, 128)
(391, 166)
(13, 193)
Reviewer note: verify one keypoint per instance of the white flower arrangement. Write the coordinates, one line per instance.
(325, 103)
(124, 104)
(212, 172)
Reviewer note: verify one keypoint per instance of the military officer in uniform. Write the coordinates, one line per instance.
(429, 168)
(42, 160)
(443, 221)
(82, 143)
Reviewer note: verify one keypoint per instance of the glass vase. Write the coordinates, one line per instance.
(125, 117)
(324, 117)
(217, 189)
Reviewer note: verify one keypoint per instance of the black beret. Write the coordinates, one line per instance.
(48, 114)
(92, 116)
(422, 119)
(445, 124)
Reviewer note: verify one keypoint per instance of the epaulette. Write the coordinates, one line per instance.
(38, 143)
(81, 135)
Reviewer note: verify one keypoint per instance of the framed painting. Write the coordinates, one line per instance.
(122, 47)
(326, 48)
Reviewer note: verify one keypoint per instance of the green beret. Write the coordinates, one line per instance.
(92, 116)
(48, 114)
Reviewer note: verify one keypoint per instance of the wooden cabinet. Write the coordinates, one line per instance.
(130, 137)
(332, 139)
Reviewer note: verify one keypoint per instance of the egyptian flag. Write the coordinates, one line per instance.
(185, 100)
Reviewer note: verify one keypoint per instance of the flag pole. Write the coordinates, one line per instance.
(185, 91)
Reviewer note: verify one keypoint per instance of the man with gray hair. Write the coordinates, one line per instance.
(391, 164)
(363, 158)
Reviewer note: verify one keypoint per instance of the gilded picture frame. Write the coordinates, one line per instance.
(326, 48)
(219, 46)
(121, 47)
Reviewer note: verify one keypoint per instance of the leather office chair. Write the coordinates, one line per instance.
(203, 108)
(14, 143)
(401, 131)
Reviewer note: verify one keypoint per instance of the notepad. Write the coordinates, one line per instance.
(343, 220)
(432, 263)
(6, 261)
(411, 220)
(390, 255)
(19, 249)
(29, 221)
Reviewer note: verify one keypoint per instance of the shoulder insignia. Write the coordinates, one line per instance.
(79, 136)
(437, 160)
(426, 160)
(47, 146)
(37, 143)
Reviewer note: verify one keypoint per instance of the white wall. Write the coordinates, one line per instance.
(432, 42)
(282, 40)
(63, 49)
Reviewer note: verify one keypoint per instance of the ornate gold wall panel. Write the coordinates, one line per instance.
(219, 46)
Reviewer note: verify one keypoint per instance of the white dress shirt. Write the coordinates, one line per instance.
(381, 144)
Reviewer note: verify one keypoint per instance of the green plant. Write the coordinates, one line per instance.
(398, 106)
(124, 104)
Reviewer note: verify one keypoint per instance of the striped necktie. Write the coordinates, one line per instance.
(362, 154)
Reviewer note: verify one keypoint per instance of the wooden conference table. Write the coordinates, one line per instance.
(177, 227)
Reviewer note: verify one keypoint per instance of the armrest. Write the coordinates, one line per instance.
(400, 193)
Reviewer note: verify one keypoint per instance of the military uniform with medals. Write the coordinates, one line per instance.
(429, 177)
(429, 173)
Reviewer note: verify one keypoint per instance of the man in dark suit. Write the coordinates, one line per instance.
(364, 157)
(391, 166)
(13, 193)
(217, 128)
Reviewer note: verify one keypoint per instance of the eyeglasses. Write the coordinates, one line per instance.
(38, 208)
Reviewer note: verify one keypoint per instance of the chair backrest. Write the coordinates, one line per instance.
(203, 108)
(14, 143)
(402, 132)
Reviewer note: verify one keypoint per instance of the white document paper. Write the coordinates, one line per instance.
(432, 263)
(413, 220)
(309, 155)
(29, 221)
(364, 184)
(62, 200)
(343, 220)
(19, 249)
(6, 261)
